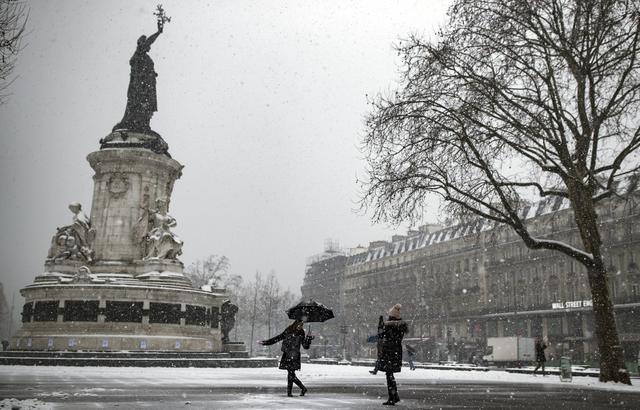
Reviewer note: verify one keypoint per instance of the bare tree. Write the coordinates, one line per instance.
(13, 20)
(262, 303)
(5, 316)
(516, 100)
(210, 271)
(254, 311)
(270, 298)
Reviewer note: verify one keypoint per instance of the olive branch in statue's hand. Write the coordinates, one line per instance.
(162, 17)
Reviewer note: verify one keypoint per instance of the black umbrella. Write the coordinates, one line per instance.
(310, 311)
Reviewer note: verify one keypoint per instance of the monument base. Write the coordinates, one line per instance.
(124, 138)
(136, 359)
(118, 312)
(235, 349)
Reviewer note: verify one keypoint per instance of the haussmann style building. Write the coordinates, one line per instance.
(461, 284)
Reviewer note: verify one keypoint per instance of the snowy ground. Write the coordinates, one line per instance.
(330, 386)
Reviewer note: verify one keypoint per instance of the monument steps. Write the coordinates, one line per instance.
(133, 359)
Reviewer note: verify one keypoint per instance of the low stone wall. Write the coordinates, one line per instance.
(128, 359)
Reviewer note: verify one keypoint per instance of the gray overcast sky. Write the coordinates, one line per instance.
(262, 101)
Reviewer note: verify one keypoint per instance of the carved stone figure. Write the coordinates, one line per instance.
(227, 319)
(81, 224)
(83, 275)
(141, 94)
(73, 242)
(134, 130)
(161, 242)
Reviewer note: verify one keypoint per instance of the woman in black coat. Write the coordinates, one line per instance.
(292, 338)
(541, 358)
(390, 360)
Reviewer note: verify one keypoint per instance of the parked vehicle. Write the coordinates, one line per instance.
(507, 351)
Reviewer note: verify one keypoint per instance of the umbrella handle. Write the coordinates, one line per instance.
(309, 330)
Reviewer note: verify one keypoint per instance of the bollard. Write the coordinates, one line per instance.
(565, 369)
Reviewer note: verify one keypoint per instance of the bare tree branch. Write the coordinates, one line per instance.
(13, 21)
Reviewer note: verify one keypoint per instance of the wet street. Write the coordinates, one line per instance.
(330, 387)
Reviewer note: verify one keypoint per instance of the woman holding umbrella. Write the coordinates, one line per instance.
(292, 338)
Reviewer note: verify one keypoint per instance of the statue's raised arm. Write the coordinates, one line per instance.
(155, 35)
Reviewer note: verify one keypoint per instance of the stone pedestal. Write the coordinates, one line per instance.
(125, 297)
(235, 349)
(127, 183)
(147, 332)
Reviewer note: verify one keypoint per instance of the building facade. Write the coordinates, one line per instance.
(323, 282)
(461, 284)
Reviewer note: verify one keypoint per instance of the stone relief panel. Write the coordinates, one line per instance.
(118, 184)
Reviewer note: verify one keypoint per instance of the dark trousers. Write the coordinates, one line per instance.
(540, 364)
(392, 388)
(292, 378)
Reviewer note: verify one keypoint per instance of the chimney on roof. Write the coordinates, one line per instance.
(377, 244)
(430, 228)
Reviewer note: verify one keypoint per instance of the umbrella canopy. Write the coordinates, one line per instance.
(310, 311)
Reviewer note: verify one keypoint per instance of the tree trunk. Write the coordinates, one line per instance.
(612, 367)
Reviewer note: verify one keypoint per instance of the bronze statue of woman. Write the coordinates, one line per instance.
(141, 95)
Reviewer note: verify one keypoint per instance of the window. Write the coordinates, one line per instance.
(508, 328)
(492, 328)
(27, 312)
(521, 327)
(123, 312)
(574, 323)
(164, 313)
(46, 311)
(554, 288)
(554, 326)
(81, 311)
(196, 315)
(215, 317)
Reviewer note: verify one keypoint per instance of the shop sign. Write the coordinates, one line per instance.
(572, 304)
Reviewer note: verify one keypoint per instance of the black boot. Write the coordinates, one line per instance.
(396, 398)
(390, 390)
(303, 391)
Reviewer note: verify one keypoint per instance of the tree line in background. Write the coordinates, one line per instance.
(261, 300)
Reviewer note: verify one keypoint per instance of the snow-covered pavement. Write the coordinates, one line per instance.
(330, 386)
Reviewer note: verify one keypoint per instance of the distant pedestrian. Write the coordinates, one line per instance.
(411, 352)
(378, 345)
(292, 338)
(5, 345)
(391, 358)
(541, 358)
